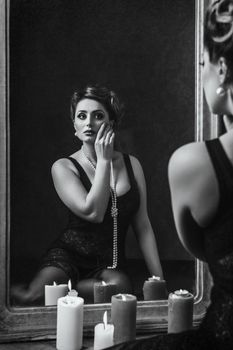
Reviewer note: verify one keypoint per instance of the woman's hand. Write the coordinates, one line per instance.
(104, 143)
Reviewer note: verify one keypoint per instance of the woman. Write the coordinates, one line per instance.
(104, 191)
(201, 184)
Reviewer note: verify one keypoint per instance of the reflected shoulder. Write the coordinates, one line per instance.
(136, 165)
(137, 169)
(134, 160)
(61, 165)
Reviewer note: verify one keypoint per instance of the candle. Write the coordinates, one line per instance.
(154, 289)
(70, 321)
(103, 292)
(103, 336)
(123, 313)
(180, 311)
(53, 292)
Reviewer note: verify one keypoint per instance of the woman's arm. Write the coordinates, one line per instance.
(142, 226)
(90, 205)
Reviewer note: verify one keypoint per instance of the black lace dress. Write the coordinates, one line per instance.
(216, 329)
(84, 249)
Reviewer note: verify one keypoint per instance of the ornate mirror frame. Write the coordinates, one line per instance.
(33, 323)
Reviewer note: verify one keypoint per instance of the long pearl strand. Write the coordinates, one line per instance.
(114, 212)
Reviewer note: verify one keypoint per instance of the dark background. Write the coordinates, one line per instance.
(142, 49)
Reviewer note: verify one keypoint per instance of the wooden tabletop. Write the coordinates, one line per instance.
(41, 345)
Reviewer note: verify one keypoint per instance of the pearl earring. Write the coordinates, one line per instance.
(75, 134)
(220, 91)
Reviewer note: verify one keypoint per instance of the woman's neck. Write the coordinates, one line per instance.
(228, 122)
(89, 152)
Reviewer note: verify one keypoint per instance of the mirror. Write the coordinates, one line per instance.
(52, 48)
(50, 53)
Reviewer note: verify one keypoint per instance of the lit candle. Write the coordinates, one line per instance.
(123, 313)
(103, 292)
(180, 311)
(103, 337)
(53, 292)
(154, 289)
(70, 321)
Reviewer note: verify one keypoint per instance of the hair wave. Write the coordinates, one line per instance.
(218, 34)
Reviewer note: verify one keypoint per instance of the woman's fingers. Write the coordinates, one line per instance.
(105, 133)
(108, 136)
(100, 132)
(112, 137)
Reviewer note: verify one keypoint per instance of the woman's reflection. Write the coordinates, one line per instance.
(105, 192)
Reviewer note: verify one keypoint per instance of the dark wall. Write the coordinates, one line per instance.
(142, 49)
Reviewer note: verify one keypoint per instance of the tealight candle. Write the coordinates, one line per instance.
(180, 311)
(103, 337)
(154, 289)
(103, 292)
(123, 313)
(54, 292)
(70, 321)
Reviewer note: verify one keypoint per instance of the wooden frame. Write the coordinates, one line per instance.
(40, 323)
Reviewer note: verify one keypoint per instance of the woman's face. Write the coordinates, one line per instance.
(89, 116)
(211, 81)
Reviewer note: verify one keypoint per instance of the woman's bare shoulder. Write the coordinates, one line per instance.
(187, 158)
(137, 168)
(63, 165)
(188, 163)
(134, 161)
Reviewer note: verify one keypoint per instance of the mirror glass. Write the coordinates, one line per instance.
(143, 50)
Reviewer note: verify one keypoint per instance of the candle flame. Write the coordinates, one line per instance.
(104, 283)
(54, 283)
(105, 319)
(69, 285)
(182, 292)
(123, 297)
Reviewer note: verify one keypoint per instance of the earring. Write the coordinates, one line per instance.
(75, 134)
(220, 91)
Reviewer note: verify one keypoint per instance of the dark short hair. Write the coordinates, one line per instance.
(106, 97)
(218, 32)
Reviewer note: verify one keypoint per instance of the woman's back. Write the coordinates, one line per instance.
(216, 329)
(218, 247)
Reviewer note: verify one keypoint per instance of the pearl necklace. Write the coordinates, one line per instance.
(114, 211)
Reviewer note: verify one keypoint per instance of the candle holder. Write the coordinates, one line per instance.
(154, 289)
(180, 311)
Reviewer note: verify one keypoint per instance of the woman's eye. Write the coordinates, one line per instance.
(99, 116)
(81, 115)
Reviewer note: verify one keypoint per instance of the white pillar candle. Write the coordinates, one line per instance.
(54, 292)
(103, 337)
(123, 313)
(154, 289)
(180, 311)
(70, 322)
(103, 292)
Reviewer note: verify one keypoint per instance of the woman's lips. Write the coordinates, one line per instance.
(89, 132)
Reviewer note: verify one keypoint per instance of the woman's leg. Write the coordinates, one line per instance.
(85, 289)
(117, 277)
(33, 294)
